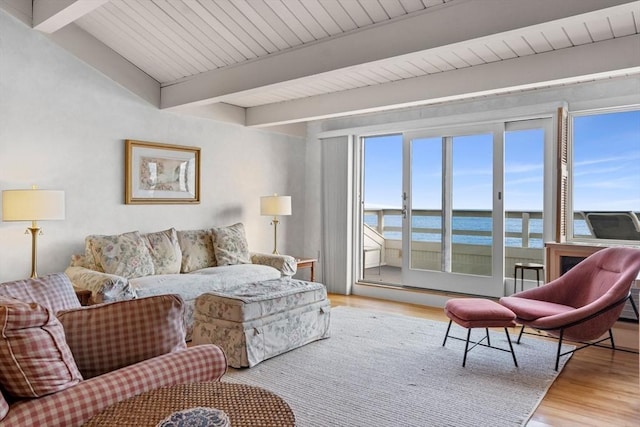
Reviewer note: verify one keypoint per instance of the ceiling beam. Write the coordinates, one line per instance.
(611, 57)
(444, 25)
(51, 15)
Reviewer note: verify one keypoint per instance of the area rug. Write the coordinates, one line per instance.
(390, 370)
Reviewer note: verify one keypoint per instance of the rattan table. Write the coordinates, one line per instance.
(244, 405)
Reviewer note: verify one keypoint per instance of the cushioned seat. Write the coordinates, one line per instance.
(479, 313)
(256, 321)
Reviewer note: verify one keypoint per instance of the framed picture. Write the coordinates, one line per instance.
(161, 173)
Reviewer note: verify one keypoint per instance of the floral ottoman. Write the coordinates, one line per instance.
(256, 321)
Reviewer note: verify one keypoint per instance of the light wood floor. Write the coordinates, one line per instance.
(597, 387)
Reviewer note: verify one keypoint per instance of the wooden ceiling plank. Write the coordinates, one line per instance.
(375, 11)
(544, 70)
(320, 14)
(482, 52)
(599, 29)
(577, 33)
(216, 23)
(118, 42)
(339, 14)
(115, 21)
(188, 36)
(421, 32)
(537, 41)
(244, 28)
(500, 49)
(393, 8)
(50, 16)
(283, 12)
(357, 13)
(412, 5)
(557, 38)
(152, 37)
(263, 8)
(623, 24)
(261, 25)
(308, 20)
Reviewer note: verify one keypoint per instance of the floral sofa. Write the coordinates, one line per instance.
(188, 263)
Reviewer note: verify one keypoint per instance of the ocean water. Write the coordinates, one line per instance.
(462, 224)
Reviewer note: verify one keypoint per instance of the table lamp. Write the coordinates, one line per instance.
(33, 205)
(275, 206)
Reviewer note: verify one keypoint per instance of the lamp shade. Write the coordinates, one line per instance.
(32, 205)
(275, 205)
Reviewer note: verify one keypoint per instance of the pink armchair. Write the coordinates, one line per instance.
(584, 303)
(121, 349)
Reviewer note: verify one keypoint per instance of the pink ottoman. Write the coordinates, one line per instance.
(479, 313)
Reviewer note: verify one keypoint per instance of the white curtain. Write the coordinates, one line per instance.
(337, 214)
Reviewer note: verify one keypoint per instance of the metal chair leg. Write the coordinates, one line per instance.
(506, 331)
(520, 334)
(447, 334)
(466, 348)
(559, 348)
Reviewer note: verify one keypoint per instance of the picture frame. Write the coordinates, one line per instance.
(158, 173)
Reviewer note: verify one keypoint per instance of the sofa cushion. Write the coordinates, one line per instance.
(164, 250)
(124, 255)
(34, 355)
(230, 245)
(53, 291)
(197, 250)
(94, 332)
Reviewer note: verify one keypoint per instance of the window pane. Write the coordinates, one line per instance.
(606, 176)
(472, 202)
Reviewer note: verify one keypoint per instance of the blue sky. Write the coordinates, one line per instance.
(606, 168)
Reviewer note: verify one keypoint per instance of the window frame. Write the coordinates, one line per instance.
(569, 219)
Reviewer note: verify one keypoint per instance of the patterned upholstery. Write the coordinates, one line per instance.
(36, 359)
(75, 405)
(146, 327)
(54, 291)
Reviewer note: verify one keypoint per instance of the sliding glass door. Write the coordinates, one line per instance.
(455, 209)
(453, 222)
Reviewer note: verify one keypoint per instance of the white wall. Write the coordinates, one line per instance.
(63, 126)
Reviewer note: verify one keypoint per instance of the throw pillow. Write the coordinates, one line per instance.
(124, 255)
(164, 250)
(34, 355)
(106, 337)
(197, 250)
(230, 245)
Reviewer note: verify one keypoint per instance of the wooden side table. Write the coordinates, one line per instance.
(84, 296)
(305, 262)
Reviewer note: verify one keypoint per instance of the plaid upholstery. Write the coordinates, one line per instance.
(34, 355)
(75, 405)
(54, 291)
(4, 407)
(137, 330)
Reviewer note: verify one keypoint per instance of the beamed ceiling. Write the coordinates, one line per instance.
(270, 62)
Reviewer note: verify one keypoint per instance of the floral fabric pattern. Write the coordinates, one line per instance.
(197, 250)
(230, 245)
(254, 300)
(164, 250)
(284, 263)
(248, 343)
(124, 255)
(104, 287)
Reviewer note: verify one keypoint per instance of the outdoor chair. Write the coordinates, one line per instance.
(584, 303)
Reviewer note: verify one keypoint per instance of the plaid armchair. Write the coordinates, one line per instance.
(113, 351)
